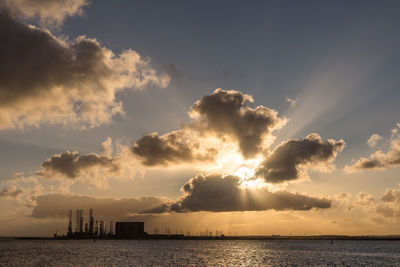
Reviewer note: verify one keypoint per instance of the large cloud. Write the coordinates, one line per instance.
(220, 193)
(223, 115)
(44, 79)
(290, 159)
(216, 193)
(49, 12)
(380, 159)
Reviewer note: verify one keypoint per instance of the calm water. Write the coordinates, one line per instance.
(198, 253)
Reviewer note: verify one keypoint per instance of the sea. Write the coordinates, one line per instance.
(198, 253)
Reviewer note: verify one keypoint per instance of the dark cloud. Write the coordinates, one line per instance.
(70, 164)
(379, 160)
(215, 193)
(368, 164)
(289, 160)
(170, 148)
(58, 205)
(44, 79)
(10, 192)
(224, 115)
(219, 193)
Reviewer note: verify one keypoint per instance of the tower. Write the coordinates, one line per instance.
(101, 231)
(70, 223)
(96, 231)
(77, 221)
(91, 221)
(80, 221)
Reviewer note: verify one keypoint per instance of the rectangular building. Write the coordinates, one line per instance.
(129, 229)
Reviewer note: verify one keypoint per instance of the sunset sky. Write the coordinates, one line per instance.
(256, 118)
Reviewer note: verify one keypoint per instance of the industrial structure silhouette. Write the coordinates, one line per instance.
(101, 229)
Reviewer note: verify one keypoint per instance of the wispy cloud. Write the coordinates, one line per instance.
(373, 140)
(292, 102)
(49, 12)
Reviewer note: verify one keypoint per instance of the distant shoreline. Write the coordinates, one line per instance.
(165, 237)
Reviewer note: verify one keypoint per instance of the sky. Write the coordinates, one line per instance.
(250, 118)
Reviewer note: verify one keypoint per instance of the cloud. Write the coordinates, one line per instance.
(342, 201)
(170, 148)
(223, 115)
(215, 193)
(373, 140)
(364, 199)
(10, 192)
(391, 195)
(290, 160)
(45, 79)
(387, 207)
(379, 159)
(292, 102)
(390, 205)
(71, 164)
(218, 193)
(62, 170)
(57, 205)
(388, 210)
(95, 169)
(49, 12)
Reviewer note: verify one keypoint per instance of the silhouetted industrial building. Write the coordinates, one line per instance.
(129, 229)
(101, 229)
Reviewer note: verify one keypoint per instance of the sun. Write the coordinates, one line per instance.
(244, 173)
(247, 179)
